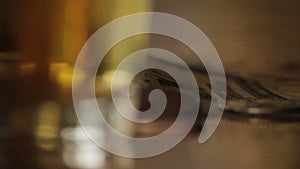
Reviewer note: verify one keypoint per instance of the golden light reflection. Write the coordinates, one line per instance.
(62, 74)
(48, 125)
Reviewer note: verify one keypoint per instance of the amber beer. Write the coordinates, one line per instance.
(50, 39)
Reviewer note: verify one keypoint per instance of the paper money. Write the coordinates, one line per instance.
(255, 96)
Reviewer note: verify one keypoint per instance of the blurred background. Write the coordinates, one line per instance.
(39, 44)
